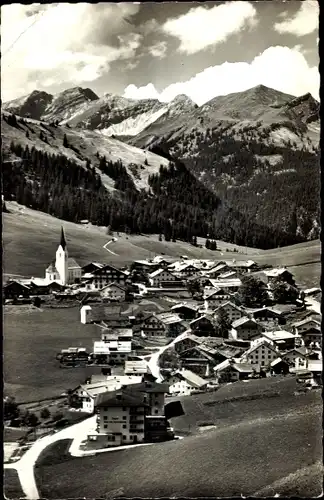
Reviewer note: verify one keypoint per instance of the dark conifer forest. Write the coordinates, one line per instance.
(178, 206)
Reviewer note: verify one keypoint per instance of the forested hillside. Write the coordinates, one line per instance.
(277, 186)
(178, 206)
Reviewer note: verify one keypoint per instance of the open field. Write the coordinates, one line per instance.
(30, 240)
(258, 450)
(30, 344)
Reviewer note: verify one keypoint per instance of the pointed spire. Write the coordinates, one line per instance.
(62, 242)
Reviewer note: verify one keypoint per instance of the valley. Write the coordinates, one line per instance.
(29, 237)
(254, 153)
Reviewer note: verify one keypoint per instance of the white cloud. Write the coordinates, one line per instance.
(304, 22)
(65, 44)
(277, 67)
(158, 50)
(147, 92)
(202, 27)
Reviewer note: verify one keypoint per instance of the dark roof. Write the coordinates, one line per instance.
(107, 266)
(120, 398)
(15, 283)
(62, 241)
(147, 386)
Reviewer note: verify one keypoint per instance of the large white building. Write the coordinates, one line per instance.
(64, 270)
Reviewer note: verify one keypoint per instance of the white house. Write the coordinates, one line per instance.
(233, 311)
(160, 275)
(244, 328)
(113, 291)
(116, 351)
(65, 270)
(121, 417)
(261, 354)
(214, 297)
(297, 358)
(185, 382)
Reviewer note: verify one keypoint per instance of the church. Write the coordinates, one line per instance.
(65, 270)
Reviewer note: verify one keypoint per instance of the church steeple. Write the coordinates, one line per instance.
(62, 242)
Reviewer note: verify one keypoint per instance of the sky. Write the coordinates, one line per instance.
(160, 50)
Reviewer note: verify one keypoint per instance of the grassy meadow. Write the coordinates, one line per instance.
(30, 240)
(31, 340)
(251, 448)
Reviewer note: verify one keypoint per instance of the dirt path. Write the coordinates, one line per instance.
(110, 251)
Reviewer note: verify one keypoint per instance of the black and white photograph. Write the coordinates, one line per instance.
(161, 250)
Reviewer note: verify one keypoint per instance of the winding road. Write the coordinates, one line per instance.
(108, 243)
(25, 466)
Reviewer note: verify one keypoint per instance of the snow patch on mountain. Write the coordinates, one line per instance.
(133, 126)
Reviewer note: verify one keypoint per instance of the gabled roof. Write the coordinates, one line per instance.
(148, 387)
(305, 321)
(117, 285)
(204, 316)
(204, 351)
(107, 266)
(168, 317)
(187, 265)
(240, 263)
(159, 271)
(120, 398)
(51, 268)
(10, 283)
(279, 335)
(245, 367)
(193, 379)
(242, 321)
(229, 303)
(72, 263)
(273, 273)
(193, 307)
(138, 366)
(263, 342)
(228, 283)
(227, 275)
(208, 294)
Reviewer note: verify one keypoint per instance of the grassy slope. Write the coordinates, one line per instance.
(250, 450)
(88, 143)
(11, 485)
(31, 341)
(30, 241)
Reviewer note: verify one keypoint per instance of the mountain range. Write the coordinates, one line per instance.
(256, 151)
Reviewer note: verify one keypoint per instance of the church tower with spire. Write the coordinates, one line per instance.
(61, 262)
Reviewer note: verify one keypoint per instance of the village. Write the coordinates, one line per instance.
(169, 329)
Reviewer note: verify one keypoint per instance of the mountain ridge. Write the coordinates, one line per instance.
(256, 150)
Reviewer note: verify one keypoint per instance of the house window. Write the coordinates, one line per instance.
(105, 417)
(124, 437)
(124, 426)
(105, 426)
(124, 417)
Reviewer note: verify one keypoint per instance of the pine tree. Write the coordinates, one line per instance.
(27, 134)
(252, 292)
(65, 141)
(223, 323)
